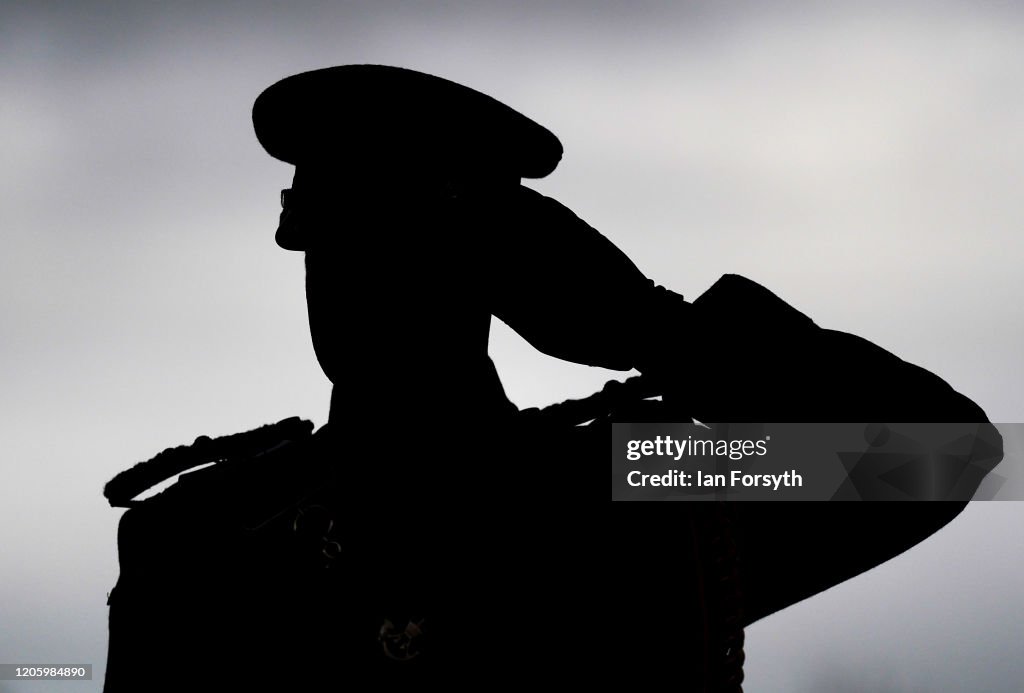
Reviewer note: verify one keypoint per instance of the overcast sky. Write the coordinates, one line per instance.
(862, 161)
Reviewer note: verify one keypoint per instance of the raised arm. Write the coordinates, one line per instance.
(569, 291)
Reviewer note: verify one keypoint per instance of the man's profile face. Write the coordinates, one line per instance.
(376, 243)
(358, 235)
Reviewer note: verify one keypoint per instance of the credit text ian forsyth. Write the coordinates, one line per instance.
(677, 448)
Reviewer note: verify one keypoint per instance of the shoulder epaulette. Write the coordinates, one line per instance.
(120, 490)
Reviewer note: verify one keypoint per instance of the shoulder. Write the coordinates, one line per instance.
(215, 460)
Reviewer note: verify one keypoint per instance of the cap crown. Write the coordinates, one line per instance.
(363, 116)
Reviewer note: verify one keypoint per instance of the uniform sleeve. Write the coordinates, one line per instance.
(569, 291)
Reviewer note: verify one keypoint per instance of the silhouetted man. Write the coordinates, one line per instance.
(408, 205)
(452, 565)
